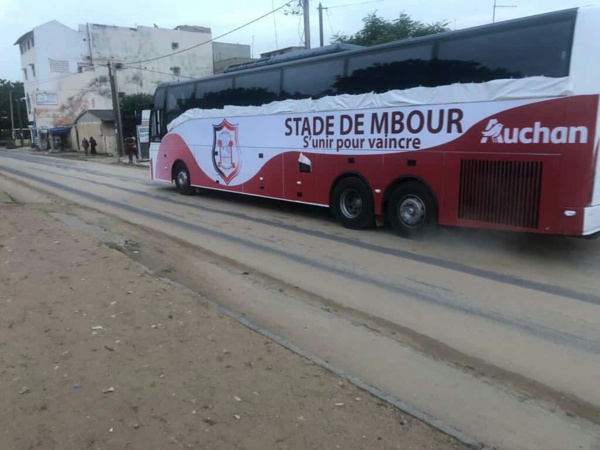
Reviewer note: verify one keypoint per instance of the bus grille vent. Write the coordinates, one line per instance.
(502, 192)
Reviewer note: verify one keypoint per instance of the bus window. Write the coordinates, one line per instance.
(258, 88)
(159, 98)
(214, 93)
(542, 49)
(395, 68)
(180, 98)
(314, 80)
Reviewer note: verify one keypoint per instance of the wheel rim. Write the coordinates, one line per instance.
(351, 203)
(183, 179)
(412, 211)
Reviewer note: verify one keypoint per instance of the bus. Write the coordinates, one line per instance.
(492, 127)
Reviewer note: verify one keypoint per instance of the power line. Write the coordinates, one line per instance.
(329, 21)
(275, 23)
(213, 39)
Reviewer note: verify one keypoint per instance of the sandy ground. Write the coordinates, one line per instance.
(96, 353)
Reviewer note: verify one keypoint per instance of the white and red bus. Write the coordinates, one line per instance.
(491, 127)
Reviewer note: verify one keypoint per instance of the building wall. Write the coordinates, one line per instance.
(103, 132)
(72, 74)
(129, 45)
(224, 50)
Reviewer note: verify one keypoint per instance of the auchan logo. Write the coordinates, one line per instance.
(537, 134)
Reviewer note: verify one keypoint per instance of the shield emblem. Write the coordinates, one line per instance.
(226, 154)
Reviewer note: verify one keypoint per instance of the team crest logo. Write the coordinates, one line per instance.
(226, 154)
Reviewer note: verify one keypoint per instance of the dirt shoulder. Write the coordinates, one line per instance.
(95, 352)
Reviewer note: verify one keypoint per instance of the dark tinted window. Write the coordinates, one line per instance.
(268, 80)
(312, 80)
(180, 98)
(542, 49)
(214, 93)
(257, 88)
(159, 98)
(395, 68)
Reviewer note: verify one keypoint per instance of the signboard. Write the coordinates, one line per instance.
(143, 134)
(46, 98)
(146, 117)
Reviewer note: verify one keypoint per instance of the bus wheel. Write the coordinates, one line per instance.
(352, 203)
(412, 210)
(181, 175)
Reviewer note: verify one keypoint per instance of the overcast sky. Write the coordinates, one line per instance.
(275, 31)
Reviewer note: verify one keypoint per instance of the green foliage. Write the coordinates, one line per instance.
(377, 30)
(18, 93)
(131, 106)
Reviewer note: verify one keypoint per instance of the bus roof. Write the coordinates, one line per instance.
(346, 49)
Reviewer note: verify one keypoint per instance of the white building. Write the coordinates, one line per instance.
(65, 71)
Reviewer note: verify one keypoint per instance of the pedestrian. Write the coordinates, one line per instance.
(93, 145)
(85, 144)
(130, 148)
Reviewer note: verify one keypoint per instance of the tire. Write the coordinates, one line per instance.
(352, 203)
(181, 175)
(412, 210)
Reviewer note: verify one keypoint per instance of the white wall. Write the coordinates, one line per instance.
(129, 45)
(224, 50)
(99, 44)
(53, 41)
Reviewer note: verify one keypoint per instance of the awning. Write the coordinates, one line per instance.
(59, 131)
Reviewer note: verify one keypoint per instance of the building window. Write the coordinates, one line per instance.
(25, 74)
(176, 70)
(83, 66)
(174, 45)
(59, 66)
(32, 70)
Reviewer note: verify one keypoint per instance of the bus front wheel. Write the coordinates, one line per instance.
(352, 203)
(181, 175)
(412, 210)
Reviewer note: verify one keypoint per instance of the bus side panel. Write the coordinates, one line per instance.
(332, 166)
(268, 182)
(422, 165)
(523, 183)
(491, 191)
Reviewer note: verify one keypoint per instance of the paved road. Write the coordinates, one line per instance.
(495, 334)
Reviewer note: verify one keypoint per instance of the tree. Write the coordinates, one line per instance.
(377, 30)
(131, 107)
(18, 93)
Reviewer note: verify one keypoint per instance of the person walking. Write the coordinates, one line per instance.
(130, 148)
(93, 145)
(85, 144)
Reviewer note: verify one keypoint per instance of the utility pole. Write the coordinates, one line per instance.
(20, 121)
(500, 6)
(306, 24)
(116, 111)
(12, 117)
(320, 8)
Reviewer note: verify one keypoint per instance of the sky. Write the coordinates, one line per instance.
(275, 31)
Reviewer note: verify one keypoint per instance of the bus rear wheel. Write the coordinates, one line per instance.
(412, 210)
(181, 175)
(352, 203)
